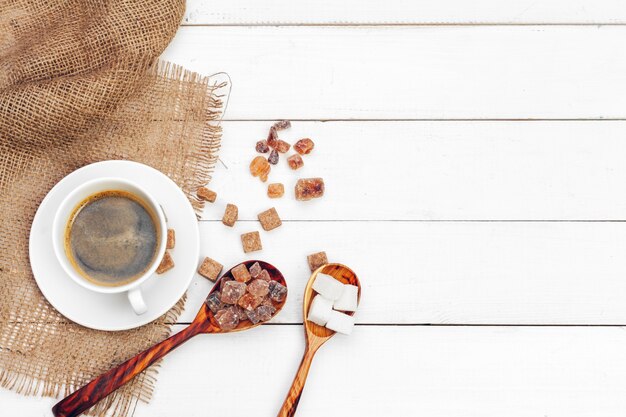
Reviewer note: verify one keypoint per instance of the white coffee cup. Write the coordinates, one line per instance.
(62, 217)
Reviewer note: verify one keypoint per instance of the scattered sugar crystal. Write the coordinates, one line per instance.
(171, 239)
(304, 146)
(230, 215)
(269, 219)
(227, 319)
(232, 292)
(240, 273)
(262, 146)
(259, 167)
(255, 270)
(277, 291)
(265, 276)
(259, 288)
(210, 269)
(349, 299)
(295, 161)
(265, 312)
(328, 286)
(206, 194)
(214, 303)
(272, 137)
(282, 146)
(320, 309)
(251, 242)
(249, 301)
(308, 188)
(282, 125)
(316, 260)
(275, 190)
(340, 322)
(273, 158)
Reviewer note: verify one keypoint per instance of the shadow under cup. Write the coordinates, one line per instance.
(109, 213)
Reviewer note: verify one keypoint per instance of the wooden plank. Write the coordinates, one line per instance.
(462, 72)
(433, 371)
(324, 12)
(446, 273)
(488, 372)
(435, 171)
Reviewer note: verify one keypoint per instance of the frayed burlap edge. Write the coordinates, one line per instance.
(207, 146)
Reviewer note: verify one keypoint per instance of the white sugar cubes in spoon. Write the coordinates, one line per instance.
(320, 310)
(349, 299)
(328, 287)
(332, 298)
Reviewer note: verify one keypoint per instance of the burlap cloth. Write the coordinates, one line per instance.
(78, 84)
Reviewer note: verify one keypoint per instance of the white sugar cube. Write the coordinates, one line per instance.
(320, 310)
(341, 323)
(349, 300)
(328, 286)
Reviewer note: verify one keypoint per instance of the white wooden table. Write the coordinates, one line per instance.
(475, 160)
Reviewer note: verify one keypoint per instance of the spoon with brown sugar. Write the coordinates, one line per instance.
(316, 335)
(226, 320)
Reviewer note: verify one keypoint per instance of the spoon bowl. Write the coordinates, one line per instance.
(205, 317)
(315, 334)
(205, 322)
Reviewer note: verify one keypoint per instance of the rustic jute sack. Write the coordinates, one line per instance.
(79, 83)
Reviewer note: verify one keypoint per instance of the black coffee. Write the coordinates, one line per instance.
(112, 238)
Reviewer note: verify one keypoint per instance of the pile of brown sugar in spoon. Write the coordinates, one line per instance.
(250, 294)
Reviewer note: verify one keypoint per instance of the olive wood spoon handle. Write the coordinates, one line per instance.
(105, 384)
(295, 392)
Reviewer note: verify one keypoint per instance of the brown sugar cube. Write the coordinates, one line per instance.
(275, 190)
(316, 260)
(166, 264)
(206, 194)
(269, 219)
(255, 270)
(171, 239)
(251, 242)
(264, 276)
(210, 269)
(230, 215)
(241, 273)
(295, 161)
(308, 188)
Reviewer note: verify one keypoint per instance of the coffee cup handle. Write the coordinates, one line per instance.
(136, 301)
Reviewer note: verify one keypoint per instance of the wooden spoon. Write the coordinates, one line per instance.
(315, 335)
(205, 322)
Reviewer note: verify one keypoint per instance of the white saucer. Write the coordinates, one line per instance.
(113, 311)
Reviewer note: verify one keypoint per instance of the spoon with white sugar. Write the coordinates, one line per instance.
(316, 335)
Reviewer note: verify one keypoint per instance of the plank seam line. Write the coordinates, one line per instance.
(427, 221)
(447, 325)
(461, 120)
(186, 323)
(401, 24)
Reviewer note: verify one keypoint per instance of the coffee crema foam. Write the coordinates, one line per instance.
(112, 238)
